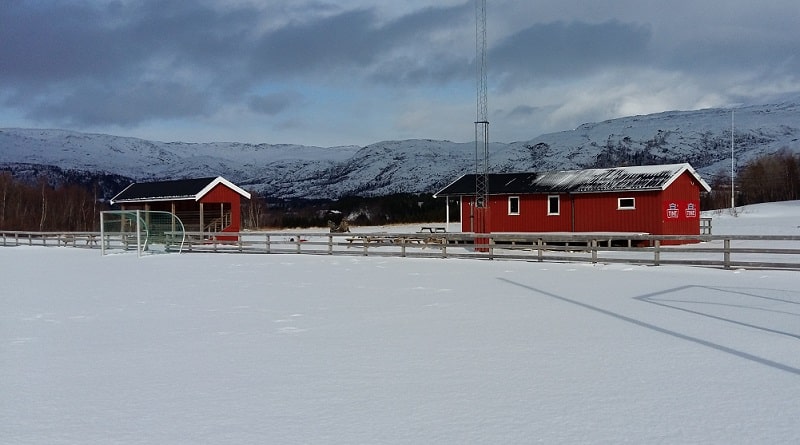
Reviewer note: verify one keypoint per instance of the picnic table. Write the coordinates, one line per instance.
(432, 229)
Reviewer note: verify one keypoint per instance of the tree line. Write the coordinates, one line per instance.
(769, 178)
(44, 207)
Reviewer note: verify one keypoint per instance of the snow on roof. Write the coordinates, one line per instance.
(174, 190)
(638, 178)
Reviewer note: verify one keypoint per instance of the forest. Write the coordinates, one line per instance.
(40, 206)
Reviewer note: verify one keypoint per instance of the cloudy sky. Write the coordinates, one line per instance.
(320, 72)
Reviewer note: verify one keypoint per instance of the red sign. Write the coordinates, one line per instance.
(678, 210)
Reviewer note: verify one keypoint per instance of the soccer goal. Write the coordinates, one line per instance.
(143, 230)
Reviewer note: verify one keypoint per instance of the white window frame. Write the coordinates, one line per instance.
(630, 207)
(558, 202)
(510, 199)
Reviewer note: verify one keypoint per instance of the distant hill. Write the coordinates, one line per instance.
(415, 166)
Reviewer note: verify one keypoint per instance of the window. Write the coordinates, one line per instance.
(513, 205)
(626, 203)
(553, 205)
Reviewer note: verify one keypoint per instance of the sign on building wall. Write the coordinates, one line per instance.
(681, 210)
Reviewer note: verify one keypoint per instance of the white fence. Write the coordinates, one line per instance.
(726, 251)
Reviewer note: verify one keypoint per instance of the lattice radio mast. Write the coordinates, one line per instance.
(481, 122)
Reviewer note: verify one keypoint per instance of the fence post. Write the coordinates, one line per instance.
(539, 243)
(727, 253)
(593, 248)
(268, 246)
(403, 247)
(330, 244)
(657, 250)
(297, 244)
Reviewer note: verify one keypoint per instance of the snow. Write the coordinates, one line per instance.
(237, 349)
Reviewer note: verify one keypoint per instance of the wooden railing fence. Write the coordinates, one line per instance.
(726, 251)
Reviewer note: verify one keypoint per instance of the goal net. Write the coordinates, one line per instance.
(141, 230)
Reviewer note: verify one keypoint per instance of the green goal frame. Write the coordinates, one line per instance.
(142, 230)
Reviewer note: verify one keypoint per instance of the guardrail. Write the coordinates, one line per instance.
(726, 251)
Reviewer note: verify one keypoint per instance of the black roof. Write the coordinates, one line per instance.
(642, 178)
(180, 189)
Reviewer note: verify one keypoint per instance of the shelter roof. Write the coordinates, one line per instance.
(174, 190)
(597, 180)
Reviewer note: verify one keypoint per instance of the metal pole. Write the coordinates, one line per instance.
(138, 235)
(733, 191)
(102, 236)
(447, 213)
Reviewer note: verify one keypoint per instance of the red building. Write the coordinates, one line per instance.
(204, 204)
(657, 199)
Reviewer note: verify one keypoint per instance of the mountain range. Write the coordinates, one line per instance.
(701, 137)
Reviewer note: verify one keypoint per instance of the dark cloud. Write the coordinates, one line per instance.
(144, 53)
(555, 50)
(60, 42)
(352, 41)
(522, 111)
(272, 104)
(55, 42)
(716, 57)
(325, 44)
(134, 104)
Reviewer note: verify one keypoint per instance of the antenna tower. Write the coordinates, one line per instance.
(482, 121)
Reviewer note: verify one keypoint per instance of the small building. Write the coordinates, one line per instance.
(202, 204)
(656, 199)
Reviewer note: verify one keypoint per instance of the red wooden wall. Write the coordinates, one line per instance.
(598, 212)
(222, 194)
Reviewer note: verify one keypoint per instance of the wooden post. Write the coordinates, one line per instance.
(657, 250)
(727, 253)
(539, 243)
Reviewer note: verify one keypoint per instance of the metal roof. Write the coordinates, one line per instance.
(175, 190)
(598, 180)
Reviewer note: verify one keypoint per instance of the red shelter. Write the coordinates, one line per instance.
(203, 204)
(656, 199)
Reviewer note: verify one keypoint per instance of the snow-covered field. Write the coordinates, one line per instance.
(291, 349)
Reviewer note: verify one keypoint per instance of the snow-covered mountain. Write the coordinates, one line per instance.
(701, 137)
